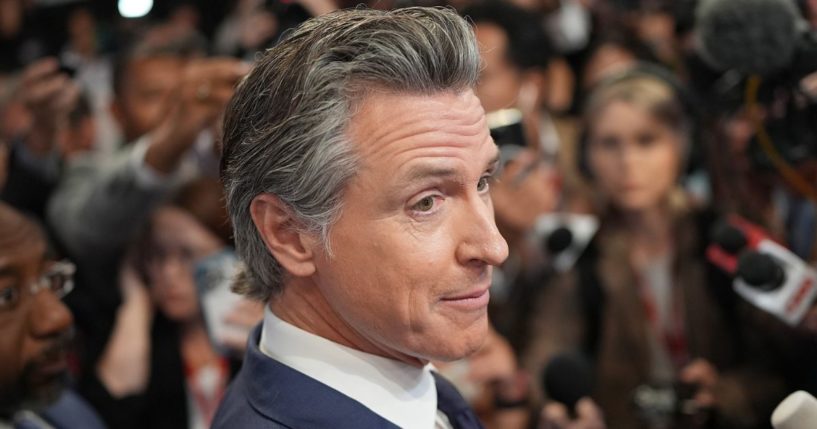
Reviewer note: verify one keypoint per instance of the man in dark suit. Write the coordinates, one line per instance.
(357, 163)
(34, 332)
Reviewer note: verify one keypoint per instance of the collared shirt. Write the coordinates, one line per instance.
(403, 394)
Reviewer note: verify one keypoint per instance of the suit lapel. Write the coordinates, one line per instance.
(295, 400)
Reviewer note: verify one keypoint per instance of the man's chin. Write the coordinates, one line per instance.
(40, 392)
(462, 344)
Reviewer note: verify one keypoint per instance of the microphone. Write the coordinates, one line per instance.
(797, 411)
(751, 36)
(767, 274)
(563, 237)
(568, 377)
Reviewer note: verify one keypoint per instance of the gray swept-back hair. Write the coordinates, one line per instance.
(284, 129)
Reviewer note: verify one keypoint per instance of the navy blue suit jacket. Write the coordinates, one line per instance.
(270, 395)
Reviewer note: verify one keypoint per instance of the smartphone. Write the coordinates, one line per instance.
(214, 276)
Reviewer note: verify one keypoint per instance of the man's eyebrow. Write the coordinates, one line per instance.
(427, 171)
(493, 163)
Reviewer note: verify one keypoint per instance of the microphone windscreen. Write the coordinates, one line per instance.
(560, 239)
(729, 238)
(760, 270)
(751, 36)
(568, 377)
(797, 411)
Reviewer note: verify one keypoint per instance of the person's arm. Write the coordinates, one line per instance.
(124, 367)
(31, 169)
(99, 206)
(744, 395)
(49, 96)
(205, 88)
(117, 384)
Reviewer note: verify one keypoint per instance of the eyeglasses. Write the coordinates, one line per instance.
(59, 279)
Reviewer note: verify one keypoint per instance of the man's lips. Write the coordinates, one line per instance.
(474, 299)
(476, 293)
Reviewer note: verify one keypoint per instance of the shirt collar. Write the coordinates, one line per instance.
(403, 394)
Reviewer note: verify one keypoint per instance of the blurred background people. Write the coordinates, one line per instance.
(161, 368)
(105, 119)
(642, 302)
(166, 100)
(45, 124)
(36, 332)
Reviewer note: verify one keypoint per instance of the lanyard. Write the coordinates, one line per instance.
(674, 336)
(207, 398)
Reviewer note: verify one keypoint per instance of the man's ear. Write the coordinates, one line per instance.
(291, 247)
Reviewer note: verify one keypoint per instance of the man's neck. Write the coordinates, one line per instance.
(302, 305)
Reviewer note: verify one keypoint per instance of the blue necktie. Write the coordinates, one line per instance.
(450, 402)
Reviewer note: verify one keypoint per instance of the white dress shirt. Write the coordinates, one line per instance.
(400, 393)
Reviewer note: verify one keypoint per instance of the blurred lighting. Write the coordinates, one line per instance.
(135, 8)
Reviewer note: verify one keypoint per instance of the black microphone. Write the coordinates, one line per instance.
(767, 274)
(751, 36)
(761, 271)
(730, 238)
(568, 378)
(560, 239)
(563, 237)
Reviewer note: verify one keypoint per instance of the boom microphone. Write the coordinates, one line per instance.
(754, 36)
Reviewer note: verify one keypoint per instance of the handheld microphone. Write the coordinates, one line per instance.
(563, 237)
(568, 377)
(797, 411)
(767, 274)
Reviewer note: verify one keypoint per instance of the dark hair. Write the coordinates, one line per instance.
(203, 198)
(16, 228)
(147, 43)
(528, 45)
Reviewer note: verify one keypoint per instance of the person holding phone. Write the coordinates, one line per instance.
(161, 367)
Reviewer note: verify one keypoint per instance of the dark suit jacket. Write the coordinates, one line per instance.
(270, 395)
(68, 412)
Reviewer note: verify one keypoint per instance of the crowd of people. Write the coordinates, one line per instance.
(611, 129)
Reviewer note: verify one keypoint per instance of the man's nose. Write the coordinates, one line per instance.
(49, 317)
(481, 241)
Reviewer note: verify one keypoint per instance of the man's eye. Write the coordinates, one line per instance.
(424, 205)
(483, 183)
(8, 297)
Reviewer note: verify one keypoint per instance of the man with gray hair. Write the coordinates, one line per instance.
(357, 164)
